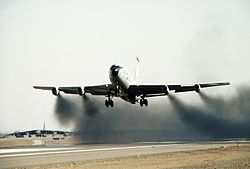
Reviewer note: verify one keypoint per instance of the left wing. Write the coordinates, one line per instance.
(105, 90)
(56, 91)
(161, 90)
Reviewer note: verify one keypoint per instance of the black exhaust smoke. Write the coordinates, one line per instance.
(221, 117)
(169, 119)
(124, 123)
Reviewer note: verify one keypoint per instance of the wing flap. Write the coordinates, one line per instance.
(213, 84)
(43, 87)
(100, 89)
(71, 90)
(67, 90)
(184, 89)
(196, 87)
(147, 90)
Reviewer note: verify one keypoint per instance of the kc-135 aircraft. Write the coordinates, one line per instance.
(123, 85)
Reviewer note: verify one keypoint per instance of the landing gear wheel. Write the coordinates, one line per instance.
(111, 103)
(143, 102)
(106, 103)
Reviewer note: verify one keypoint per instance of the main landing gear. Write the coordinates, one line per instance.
(109, 102)
(143, 102)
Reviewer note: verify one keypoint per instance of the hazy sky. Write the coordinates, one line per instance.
(75, 42)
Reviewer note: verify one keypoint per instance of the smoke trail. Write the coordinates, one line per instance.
(197, 118)
(91, 108)
(65, 110)
(219, 118)
(234, 112)
(168, 119)
(123, 123)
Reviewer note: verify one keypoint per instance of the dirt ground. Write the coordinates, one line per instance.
(234, 157)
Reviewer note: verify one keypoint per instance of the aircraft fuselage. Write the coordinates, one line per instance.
(121, 78)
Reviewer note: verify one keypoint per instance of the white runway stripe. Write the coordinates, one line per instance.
(77, 150)
(22, 150)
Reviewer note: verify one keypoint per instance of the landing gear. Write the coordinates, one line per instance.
(143, 102)
(109, 103)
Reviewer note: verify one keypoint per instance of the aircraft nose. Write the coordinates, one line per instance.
(115, 70)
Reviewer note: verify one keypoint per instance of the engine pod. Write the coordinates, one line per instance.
(55, 91)
(197, 88)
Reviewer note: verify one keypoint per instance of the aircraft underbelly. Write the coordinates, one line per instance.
(123, 84)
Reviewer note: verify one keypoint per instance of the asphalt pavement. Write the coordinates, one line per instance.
(21, 157)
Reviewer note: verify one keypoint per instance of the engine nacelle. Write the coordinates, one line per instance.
(55, 91)
(197, 88)
(79, 91)
(166, 90)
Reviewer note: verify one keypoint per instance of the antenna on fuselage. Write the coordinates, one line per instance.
(137, 69)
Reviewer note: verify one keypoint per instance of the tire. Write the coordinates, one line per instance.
(106, 103)
(145, 101)
(141, 102)
(111, 103)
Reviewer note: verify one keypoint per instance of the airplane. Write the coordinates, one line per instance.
(123, 85)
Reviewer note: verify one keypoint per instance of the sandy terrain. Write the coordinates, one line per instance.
(224, 157)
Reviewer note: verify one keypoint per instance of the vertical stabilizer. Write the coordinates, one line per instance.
(43, 125)
(137, 70)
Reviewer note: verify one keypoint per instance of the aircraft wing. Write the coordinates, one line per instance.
(67, 90)
(100, 89)
(94, 90)
(196, 87)
(161, 90)
(147, 90)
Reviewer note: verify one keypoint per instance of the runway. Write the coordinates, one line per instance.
(21, 157)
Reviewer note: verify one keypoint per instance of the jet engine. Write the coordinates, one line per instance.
(79, 90)
(166, 90)
(55, 91)
(197, 88)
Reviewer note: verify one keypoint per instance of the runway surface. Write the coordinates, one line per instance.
(18, 157)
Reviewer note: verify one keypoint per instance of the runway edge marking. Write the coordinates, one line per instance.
(78, 151)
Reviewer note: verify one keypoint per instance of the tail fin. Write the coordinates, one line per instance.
(136, 70)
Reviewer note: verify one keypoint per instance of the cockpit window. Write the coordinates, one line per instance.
(115, 69)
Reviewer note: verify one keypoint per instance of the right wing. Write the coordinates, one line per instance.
(196, 87)
(161, 90)
(105, 90)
